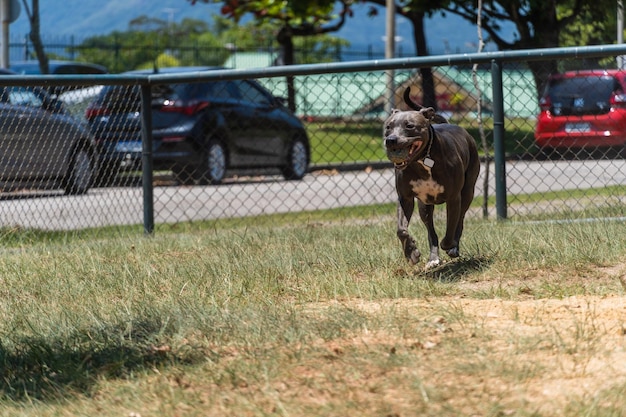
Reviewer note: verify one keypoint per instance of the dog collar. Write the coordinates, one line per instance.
(428, 161)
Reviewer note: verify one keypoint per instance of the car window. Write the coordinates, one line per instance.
(214, 90)
(223, 90)
(121, 98)
(251, 93)
(21, 96)
(582, 95)
(167, 92)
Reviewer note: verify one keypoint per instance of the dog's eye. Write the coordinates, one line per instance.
(410, 126)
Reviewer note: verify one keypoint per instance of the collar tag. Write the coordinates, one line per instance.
(429, 162)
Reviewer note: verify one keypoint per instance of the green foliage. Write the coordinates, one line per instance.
(149, 38)
(194, 42)
(290, 12)
(162, 61)
(596, 24)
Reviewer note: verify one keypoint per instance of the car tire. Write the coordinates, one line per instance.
(213, 170)
(297, 163)
(80, 174)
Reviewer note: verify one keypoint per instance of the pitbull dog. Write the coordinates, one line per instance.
(435, 162)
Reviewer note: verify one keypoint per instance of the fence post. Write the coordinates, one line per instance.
(146, 159)
(498, 139)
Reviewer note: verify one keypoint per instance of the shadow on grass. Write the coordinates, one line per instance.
(456, 269)
(50, 369)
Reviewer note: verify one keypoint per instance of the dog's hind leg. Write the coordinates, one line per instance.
(405, 211)
(454, 220)
(426, 214)
(467, 195)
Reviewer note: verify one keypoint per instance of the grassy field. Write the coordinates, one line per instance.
(314, 317)
(339, 141)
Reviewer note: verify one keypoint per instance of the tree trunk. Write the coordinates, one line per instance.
(547, 37)
(285, 40)
(429, 98)
(35, 38)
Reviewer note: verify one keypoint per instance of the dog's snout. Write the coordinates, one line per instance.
(391, 140)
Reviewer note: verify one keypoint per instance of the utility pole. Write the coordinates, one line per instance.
(9, 12)
(390, 46)
(5, 12)
(620, 31)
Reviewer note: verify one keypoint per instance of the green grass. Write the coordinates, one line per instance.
(263, 317)
(345, 142)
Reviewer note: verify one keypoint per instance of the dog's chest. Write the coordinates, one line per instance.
(427, 189)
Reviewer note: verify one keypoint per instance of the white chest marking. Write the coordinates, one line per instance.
(426, 190)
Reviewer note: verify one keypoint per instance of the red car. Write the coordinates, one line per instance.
(583, 109)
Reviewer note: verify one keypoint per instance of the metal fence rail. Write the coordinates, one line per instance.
(49, 151)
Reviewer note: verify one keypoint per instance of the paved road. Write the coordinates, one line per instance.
(319, 190)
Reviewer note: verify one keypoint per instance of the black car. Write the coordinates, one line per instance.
(57, 67)
(41, 144)
(200, 129)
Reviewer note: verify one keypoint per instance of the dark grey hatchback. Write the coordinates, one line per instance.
(200, 129)
(41, 144)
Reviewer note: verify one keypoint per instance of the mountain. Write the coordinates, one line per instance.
(63, 20)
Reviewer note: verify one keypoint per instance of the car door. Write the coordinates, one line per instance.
(19, 124)
(262, 133)
(34, 142)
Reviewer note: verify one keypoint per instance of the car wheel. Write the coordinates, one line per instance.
(80, 173)
(297, 163)
(215, 163)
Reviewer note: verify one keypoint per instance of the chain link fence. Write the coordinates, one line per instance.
(223, 146)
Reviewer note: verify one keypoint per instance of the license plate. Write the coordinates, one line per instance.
(133, 146)
(577, 127)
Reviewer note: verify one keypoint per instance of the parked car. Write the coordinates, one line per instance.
(58, 67)
(200, 129)
(41, 144)
(583, 110)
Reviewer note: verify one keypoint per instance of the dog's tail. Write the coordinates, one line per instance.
(409, 102)
(437, 118)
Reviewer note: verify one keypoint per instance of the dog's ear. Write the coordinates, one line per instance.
(428, 113)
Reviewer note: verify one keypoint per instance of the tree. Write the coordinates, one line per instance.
(253, 34)
(415, 11)
(539, 24)
(148, 40)
(295, 18)
(35, 34)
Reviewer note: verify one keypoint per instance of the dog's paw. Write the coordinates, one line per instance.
(454, 252)
(433, 263)
(414, 257)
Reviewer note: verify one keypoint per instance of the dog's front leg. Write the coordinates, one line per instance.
(450, 242)
(405, 211)
(426, 214)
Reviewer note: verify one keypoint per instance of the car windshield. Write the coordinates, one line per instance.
(127, 98)
(581, 95)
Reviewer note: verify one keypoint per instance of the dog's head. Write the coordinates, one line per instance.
(406, 135)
